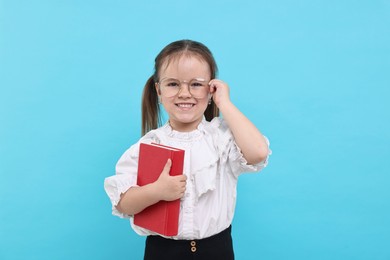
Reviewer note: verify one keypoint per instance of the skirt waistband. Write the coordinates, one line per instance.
(224, 233)
(216, 247)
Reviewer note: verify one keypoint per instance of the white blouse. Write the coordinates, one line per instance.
(212, 164)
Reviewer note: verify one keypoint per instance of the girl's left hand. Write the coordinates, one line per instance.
(220, 92)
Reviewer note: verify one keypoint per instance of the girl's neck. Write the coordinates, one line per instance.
(184, 127)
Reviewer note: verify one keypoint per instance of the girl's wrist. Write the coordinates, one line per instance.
(154, 190)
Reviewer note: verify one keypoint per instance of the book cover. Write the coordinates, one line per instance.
(162, 217)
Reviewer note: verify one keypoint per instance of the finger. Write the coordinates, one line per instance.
(167, 166)
(211, 88)
(180, 177)
(212, 85)
(213, 81)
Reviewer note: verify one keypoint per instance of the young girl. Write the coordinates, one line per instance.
(217, 151)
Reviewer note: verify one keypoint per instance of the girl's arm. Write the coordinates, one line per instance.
(167, 187)
(248, 138)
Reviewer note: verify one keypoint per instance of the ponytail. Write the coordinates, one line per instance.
(211, 111)
(151, 117)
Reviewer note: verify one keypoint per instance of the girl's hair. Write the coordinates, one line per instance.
(151, 116)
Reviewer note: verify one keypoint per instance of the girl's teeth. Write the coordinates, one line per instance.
(185, 105)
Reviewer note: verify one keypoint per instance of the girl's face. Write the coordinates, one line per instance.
(185, 111)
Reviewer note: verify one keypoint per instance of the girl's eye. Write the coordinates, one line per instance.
(197, 84)
(172, 84)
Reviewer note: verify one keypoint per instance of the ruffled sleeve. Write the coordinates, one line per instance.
(126, 173)
(126, 177)
(231, 153)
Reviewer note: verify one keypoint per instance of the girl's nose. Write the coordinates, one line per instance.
(184, 91)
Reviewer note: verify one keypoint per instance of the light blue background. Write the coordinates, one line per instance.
(313, 75)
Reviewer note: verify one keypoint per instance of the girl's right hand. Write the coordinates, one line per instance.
(170, 187)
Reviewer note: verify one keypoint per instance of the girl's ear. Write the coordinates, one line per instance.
(157, 89)
(158, 93)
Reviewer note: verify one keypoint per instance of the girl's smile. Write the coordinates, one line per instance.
(185, 106)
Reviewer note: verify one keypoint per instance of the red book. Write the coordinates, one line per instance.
(162, 217)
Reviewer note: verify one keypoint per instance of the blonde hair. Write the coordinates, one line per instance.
(151, 116)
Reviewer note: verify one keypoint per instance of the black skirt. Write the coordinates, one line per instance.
(219, 246)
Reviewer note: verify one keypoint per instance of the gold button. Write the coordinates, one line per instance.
(193, 243)
(193, 249)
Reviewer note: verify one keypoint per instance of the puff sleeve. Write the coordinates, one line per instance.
(231, 154)
(125, 178)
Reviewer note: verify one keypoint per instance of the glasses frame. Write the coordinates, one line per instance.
(181, 85)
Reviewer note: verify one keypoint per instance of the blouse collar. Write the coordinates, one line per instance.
(184, 135)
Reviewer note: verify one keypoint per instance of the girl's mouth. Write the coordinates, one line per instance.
(185, 105)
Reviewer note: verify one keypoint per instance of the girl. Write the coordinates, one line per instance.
(217, 151)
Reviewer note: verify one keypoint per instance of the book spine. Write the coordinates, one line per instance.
(172, 223)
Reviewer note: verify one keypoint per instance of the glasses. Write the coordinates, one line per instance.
(170, 87)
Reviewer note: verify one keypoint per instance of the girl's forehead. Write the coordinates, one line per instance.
(185, 64)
